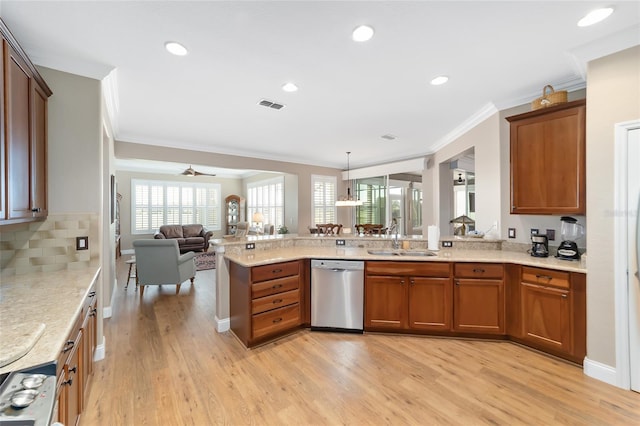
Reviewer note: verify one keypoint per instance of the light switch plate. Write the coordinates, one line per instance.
(535, 231)
(512, 232)
(551, 234)
(250, 246)
(447, 244)
(339, 242)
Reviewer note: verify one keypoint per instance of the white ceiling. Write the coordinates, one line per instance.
(496, 54)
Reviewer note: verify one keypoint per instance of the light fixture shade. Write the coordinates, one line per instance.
(258, 217)
(348, 203)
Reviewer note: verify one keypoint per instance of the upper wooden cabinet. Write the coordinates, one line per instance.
(548, 160)
(23, 151)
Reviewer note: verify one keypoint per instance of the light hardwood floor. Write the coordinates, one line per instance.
(165, 365)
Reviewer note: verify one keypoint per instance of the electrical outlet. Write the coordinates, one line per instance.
(512, 232)
(250, 246)
(535, 231)
(447, 244)
(82, 243)
(551, 234)
(339, 242)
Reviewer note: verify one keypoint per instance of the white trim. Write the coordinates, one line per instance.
(223, 325)
(128, 251)
(597, 370)
(107, 311)
(622, 371)
(404, 166)
(100, 350)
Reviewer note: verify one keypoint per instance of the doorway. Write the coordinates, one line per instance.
(627, 244)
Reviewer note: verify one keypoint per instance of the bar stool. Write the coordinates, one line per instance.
(132, 266)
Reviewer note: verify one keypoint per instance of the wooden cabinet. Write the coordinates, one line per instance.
(553, 311)
(69, 377)
(478, 298)
(548, 160)
(235, 212)
(75, 363)
(407, 296)
(265, 301)
(24, 136)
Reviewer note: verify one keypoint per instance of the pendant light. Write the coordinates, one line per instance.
(348, 201)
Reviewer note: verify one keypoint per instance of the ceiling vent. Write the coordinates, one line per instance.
(270, 104)
(388, 137)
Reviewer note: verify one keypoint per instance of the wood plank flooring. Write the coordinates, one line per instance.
(165, 365)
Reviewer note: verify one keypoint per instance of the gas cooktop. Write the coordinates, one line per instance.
(28, 397)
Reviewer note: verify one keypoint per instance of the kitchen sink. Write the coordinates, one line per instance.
(383, 252)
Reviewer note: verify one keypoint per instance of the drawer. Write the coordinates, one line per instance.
(545, 277)
(274, 301)
(478, 270)
(276, 270)
(279, 285)
(88, 301)
(417, 269)
(280, 319)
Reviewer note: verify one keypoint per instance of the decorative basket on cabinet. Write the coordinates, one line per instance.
(549, 97)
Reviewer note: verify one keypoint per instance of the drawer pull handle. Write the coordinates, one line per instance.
(546, 277)
(277, 320)
(68, 382)
(457, 282)
(412, 282)
(401, 282)
(564, 296)
(91, 294)
(68, 346)
(73, 370)
(276, 286)
(478, 270)
(93, 312)
(275, 271)
(276, 301)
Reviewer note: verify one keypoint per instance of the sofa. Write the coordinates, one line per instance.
(190, 237)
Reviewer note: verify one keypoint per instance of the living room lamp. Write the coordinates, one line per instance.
(348, 201)
(258, 219)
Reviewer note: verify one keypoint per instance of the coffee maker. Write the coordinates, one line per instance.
(539, 246)
(570, 231)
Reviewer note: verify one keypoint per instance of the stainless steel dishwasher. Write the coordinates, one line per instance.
(337, 295)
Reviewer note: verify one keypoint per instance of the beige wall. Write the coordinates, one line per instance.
(302, 171)
(485, 140)
(613, 85)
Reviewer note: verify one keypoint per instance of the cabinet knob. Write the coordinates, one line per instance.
(401, 282)
(276, 286)
(277, 320)
(412, 282)
(276, 271)
(564, 296)
(36, 210)
(457, 282)
(478, 271)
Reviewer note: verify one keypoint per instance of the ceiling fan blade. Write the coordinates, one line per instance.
(202, 174)
(190, 171)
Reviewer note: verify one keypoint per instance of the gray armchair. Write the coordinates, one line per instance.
(160, 262)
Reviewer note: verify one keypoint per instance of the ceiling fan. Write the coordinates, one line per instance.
(190, 171)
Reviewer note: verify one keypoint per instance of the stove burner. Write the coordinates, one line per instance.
(24, 398)
(33, 381)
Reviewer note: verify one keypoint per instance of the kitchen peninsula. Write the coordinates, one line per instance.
(484, 291)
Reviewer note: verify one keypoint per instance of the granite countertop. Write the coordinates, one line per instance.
(264, 257)
(37, 313)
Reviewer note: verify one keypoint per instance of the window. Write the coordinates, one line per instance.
(323, 202)
(155, 203)
(267, 197)
(373, 194)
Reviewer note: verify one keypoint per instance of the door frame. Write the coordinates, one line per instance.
(621, 255)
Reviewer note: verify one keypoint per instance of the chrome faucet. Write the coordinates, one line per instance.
(393, 228)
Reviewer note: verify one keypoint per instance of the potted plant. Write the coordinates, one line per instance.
(283, 230)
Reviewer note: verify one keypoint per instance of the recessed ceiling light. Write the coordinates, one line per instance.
(289, 87)
(595, 16)
(175, 48)
(362, 33)
(441, 79)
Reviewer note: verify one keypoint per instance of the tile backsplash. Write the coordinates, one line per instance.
(49, 245)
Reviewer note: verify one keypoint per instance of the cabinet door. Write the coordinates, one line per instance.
(546, 316)
(430, 303)
(18, 147)
(548, 161)
(72, 397)
(385, 302)
(478, 306)
(3, 182)
(39, 153)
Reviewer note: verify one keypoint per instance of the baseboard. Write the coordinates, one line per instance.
(223, 325)
(107, 311)
(100, 351)
(599, 371)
